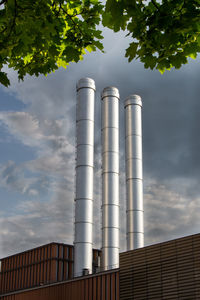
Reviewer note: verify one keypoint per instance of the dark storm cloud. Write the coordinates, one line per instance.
(171, 145)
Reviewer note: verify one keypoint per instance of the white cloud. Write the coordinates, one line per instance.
(48, 125)
(168, 213)
(14, 178)
(23, 126)
(37, 222)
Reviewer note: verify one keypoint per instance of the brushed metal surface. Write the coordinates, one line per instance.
(133, 120)
(134, 168)
(110, 114)
(110, 162)
(110, 178)
(111, 238)
(85, 132)
(110, 215)
(133, 146)
(135, 221)
(134, 192)
(86, 254)
(110, 260)
(110, 188)
(84, 109)
(84, 182)
(83, 232)
(111, 136)
(84, 210)
(135, 240)
(85, 155)
(134, 174)
(84, 176)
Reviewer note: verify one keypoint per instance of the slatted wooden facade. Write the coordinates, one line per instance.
(43, 265)
(169, 270)
(104, 286)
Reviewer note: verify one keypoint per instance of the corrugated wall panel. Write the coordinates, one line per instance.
(169, 270)
(102, 286)
(35, 267)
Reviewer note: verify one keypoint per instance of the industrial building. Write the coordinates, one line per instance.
(169, 270)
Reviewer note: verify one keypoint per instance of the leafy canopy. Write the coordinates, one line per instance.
(39, 36)
(164, 33)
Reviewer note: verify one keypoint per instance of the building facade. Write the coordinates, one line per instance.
(169, 270)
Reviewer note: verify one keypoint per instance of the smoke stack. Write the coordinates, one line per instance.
(110, 178)
(84, 177)
(134, 177)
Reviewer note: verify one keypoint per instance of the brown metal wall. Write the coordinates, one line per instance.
(169, 270)
(46, 264)
(104, 286)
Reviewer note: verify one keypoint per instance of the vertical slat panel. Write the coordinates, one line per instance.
(99, 289)
(49, 264)
(9, 274)
(94, 286)
(29, 270)
(3, 277)
(80, 289)
(70, 263)
(14, 275)
(35, 268)
(22, 270)
(103, 287)
(38, 266)
(117, 286)
(108, 287)
(86, 289)
(60, 263)
(113, 286)
(68, 296)
(26, 270)
(42, 266)
(6, 281)
(18, 272)
(45, 265)
(54, 263)
(90, 288)
(66, 265)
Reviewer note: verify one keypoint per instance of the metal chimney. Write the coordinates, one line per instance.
(84, 176)
(134, 177)
(110, 178)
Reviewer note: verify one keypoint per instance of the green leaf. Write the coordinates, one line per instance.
(131, 51)
(4, 79)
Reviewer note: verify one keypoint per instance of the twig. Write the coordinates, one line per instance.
(155, 4)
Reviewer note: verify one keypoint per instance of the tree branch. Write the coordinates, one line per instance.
(13, 22)
(3, 1)
(155, 4)
(71, 18)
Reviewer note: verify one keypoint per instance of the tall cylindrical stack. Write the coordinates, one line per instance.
(84, 176)
(134, 177)
(110, 178)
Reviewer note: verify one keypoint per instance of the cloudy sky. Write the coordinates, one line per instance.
(37, 142)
